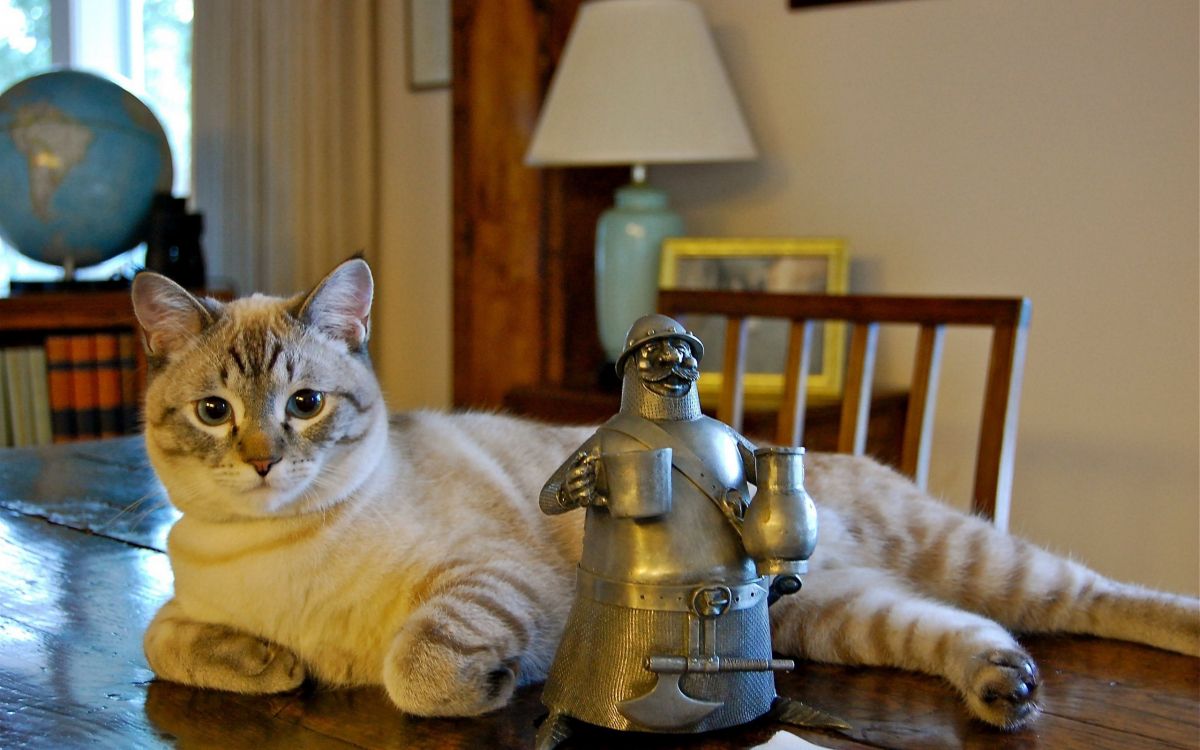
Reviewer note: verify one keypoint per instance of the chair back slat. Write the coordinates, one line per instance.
(1007, 317)
(790, 426)
(922, 402)
(730, 407)
(856, 399)
(998, 424)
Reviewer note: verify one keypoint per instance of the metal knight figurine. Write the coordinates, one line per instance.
(669, 629)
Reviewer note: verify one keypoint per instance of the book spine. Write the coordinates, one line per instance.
(39, 396)
(108, 384)
(83, 382)
(20, 415)
(62, 388)
(5, 427)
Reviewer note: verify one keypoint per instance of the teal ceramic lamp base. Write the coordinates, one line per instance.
(628, 238)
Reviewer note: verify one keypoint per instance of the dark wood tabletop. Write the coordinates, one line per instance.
(82, 529)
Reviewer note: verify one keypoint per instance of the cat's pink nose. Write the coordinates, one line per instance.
(262, 465)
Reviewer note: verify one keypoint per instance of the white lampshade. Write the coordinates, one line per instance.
(639, 82)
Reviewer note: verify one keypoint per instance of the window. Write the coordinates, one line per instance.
(25, 44)
(146, 44)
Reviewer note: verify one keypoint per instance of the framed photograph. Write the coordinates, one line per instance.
(800, 265)
(428, 44)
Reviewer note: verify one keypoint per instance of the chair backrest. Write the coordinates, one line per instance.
(1007, 317)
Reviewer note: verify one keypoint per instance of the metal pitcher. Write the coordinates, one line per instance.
(780, 528)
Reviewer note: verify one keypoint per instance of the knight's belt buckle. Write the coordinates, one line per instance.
(711, 601)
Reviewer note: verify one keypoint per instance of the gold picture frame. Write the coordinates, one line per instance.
(816, 265)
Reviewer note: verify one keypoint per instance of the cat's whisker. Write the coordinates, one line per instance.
(130, 508)
(152, 509)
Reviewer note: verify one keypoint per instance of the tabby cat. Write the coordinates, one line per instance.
(321, 538)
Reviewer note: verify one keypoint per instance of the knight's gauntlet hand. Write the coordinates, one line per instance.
(580, 488)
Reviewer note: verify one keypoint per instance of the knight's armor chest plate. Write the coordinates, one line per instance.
(715, 445)
(693, 542)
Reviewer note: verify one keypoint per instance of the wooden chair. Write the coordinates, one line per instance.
(1007, 317)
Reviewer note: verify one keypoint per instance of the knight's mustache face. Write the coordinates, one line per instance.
(688, 369)
(668, 368)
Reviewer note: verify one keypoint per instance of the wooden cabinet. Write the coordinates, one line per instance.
(50, 311)
(523, 237)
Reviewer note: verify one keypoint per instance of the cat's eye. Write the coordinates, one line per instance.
(305, 404)
(213, 410)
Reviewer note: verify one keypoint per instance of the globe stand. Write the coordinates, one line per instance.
(172, 249)
(17, 288)
(68, 284)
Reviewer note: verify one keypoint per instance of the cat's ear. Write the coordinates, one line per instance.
(169, 314)
(341, 304)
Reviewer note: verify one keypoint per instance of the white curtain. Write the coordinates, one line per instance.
(285, 112)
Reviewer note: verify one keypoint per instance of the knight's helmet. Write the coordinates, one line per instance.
(637, 399)
(652, 328)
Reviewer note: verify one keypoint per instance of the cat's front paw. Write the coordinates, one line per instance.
(216, 656)
(273, 668)
(1003, 688)
(430, 672)
(244, 663)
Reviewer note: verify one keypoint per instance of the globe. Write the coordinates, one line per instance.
(81, 160)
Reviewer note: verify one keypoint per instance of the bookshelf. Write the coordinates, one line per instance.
(58, 311)
(28, 319)
(29, 322)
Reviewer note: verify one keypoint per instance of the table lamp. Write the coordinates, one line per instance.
(639, 83)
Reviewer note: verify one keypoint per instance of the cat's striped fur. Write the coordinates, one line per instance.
(411, 552)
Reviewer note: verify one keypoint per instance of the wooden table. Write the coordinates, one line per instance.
(82, 527)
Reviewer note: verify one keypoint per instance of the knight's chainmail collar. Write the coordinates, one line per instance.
(636, 398)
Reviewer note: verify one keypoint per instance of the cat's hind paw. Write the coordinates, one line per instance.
(436, 673)
(1003, 689)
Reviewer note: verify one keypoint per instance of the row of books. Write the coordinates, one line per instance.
(24, 397)
(75, 387)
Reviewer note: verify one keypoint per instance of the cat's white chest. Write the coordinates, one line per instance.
(291, 583)
(227, 569)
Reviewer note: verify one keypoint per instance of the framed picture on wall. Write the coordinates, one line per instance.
(429, 63)
(764, 264)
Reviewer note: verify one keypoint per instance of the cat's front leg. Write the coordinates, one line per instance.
(861, 616)
(208, 655)
(479, 629)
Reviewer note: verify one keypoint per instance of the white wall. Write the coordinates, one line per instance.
(1037, 147)
(411, 322)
